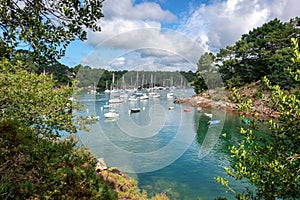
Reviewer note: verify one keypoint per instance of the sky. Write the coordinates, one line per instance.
(170, 35)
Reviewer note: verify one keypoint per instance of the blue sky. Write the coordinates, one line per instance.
(171, 34)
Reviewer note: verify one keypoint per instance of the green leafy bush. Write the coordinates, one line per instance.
(33, 167)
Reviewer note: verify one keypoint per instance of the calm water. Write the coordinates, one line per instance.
(168, 151)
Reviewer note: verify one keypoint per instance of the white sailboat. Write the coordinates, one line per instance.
(112, 91)
(106, 88)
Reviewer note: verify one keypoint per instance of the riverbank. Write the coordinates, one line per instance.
(224, 100)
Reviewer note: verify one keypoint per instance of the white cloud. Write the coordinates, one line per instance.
(123, 16)
(128, 27)
(223, 22)
(147, 59)
(139, 27)
(126, 9)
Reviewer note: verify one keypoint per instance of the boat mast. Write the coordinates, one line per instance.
(123, 82)
(152, 81)
(137, 79)
(113, 82)
(143, 81)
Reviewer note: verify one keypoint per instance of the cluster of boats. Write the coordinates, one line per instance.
(136, 96)
(142, 96)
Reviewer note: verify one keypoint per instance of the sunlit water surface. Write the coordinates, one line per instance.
(166, 151)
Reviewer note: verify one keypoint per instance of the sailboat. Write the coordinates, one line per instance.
(93, 90)
(112, 91)
(106, 88)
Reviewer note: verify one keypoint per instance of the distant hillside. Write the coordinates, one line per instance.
(104, 79)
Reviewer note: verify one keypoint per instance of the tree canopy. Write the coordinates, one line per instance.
(34, 99)
(46, 27)
(34, 110)
(271, 163)
(264, 51)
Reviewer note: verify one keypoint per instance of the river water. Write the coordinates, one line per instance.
(166, 151)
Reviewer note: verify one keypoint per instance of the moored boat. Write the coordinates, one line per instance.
(170, 94)
(93, 118)
(208, 115)
(115, 100)
(214, 122)
(111, 114)
(135, 110)
(144, 97)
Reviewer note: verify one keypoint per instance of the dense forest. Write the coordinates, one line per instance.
(102, 79)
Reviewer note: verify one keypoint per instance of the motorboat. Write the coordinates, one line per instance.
(155, 95)
(93, 118)
(214, 122)
(170, 94)
(123, 95)
(132, 98)
(111, 114)
(208, 115)
(186, 110)
(107, 106)
(245, 121)
(144, 97)
(115, 100)
(135, 110)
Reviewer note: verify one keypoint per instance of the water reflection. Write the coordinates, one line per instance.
(198, 151)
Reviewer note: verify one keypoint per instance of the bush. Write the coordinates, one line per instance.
(38, 168)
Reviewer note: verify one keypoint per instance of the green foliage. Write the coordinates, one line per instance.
(207, 74)
(34, 100)
(47, 27)
(264, 51)
(37, 168)
(126, 187)
(34, 163)
(271, 163)
(60, 72)
(101, 78)
(189, 76)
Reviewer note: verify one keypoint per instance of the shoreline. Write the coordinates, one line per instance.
(205, 100)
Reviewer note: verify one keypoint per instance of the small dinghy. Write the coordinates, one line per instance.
(208, 115)
(135, 110)
(186, 110)
(214, 122)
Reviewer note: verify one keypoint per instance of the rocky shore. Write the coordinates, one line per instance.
(125, 186)
(223, 100)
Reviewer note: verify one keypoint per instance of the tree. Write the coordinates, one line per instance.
(46, 27)
(35, 100)
(264, 51)
(271, 163)
(35, 163)
(206, 74)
